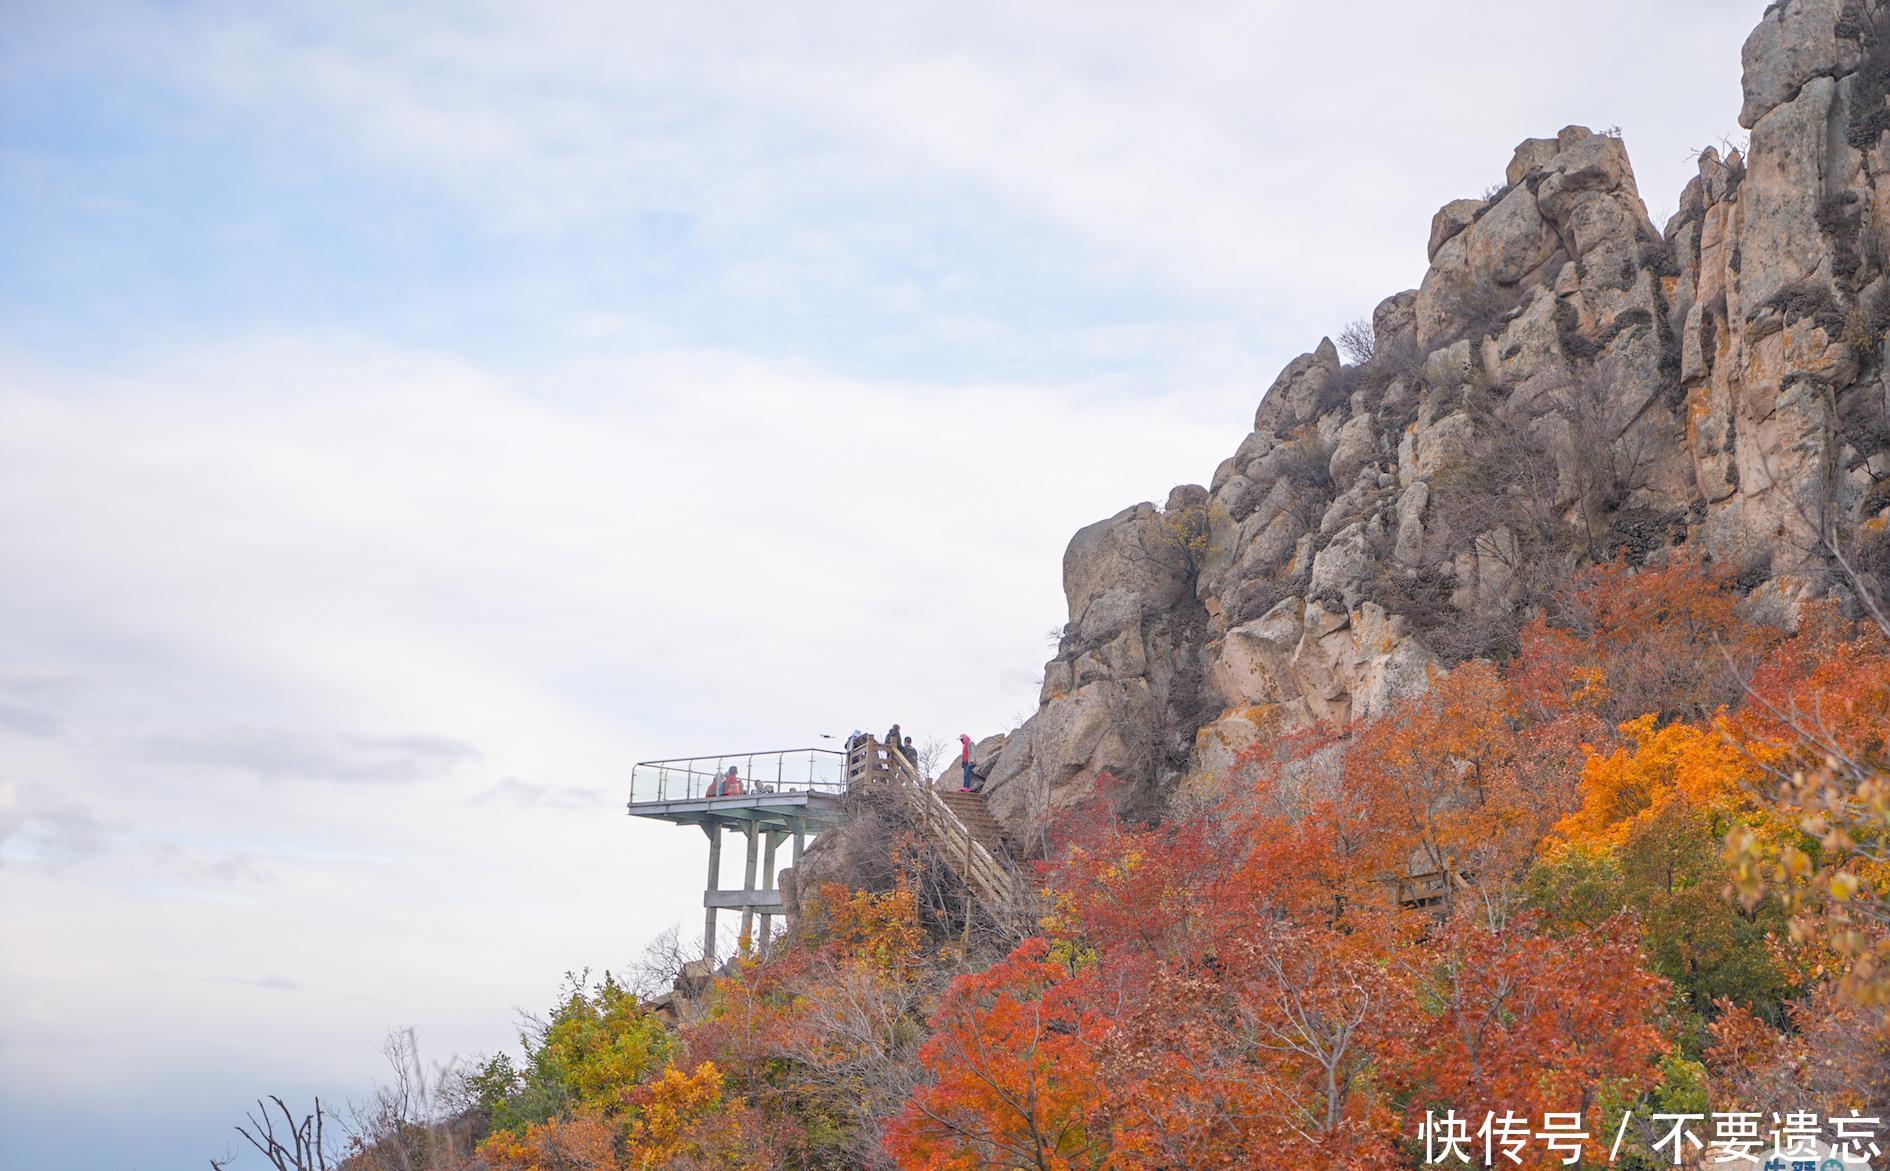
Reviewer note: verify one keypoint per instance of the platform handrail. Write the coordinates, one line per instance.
(761, 772)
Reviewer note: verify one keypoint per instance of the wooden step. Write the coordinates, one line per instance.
(971, 810)
(975, 853)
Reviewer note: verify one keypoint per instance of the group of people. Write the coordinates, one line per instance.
(970, 780)
(730, 783)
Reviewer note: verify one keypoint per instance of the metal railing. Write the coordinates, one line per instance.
(779, 770)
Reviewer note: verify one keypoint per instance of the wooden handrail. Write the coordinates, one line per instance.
(976, 866)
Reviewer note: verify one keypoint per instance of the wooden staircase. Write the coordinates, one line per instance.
(962, 846)
(968, 839)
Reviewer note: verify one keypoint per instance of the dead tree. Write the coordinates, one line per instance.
(301, 1147)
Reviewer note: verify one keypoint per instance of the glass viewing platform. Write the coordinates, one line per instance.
(784, 795)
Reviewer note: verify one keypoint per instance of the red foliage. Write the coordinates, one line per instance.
(1013, 1063)
(1512, 1018)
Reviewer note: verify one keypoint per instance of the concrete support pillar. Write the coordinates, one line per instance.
(748, 882)
(715, 883)
(767, 883)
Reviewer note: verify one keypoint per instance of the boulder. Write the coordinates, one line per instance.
(1796, 41)
(1510, 241)
(1295, 394)
(1356, 446)
(1409, 547)
(1394, 322)
(1451, 219)
(1129, 562)
(1339, 568)
(1530, 157)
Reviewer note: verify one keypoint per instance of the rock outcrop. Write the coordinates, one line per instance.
(1568, 383)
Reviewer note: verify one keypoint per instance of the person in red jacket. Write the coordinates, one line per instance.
(727, 785)
(964, 759)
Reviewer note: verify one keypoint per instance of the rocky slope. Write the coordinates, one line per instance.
(1569, 383)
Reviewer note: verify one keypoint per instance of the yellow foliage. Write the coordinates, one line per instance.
(879, 929)
(672, 1112)
(605, 1043)
(1633, 784)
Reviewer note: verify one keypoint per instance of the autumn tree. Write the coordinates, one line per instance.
(567, 1101)
(581, 1142)
(1818, 724)
(685, 1120)
(1012, 1073)
(820, 1038)
(1512, 1018)
(1624, 642)
(1828, 1056)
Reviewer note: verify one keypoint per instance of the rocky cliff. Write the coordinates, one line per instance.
(1569, 383)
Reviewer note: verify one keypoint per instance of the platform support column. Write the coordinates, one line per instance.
(715, 883)
(748, 884)
(767, 884)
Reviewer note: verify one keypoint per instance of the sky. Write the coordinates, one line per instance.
(412, 415)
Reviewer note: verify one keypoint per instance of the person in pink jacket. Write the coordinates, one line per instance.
(964, 760)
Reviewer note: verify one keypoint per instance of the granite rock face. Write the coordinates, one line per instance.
(1568, 383)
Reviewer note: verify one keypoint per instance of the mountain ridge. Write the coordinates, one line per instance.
(1568, 384)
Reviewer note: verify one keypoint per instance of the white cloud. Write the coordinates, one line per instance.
(1274, 154)
(288, 561)
(38, 829)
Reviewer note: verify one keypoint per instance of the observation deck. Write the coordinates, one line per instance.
(775, 789)
(768, 797)
(791, 794)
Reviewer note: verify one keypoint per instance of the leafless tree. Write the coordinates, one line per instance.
(1608, 457)
(414, 1122)
(871, 1067)
(1357, 342)
(931, 755)
(653, 973)
(1305, 464)
(300, 1146)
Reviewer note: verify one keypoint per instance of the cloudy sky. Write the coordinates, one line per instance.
(411, 417)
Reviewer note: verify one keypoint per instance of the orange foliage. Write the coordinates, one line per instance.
(1820, 722)
(1528, 1022)
(582, 1143)
(1628, 642)
(1828, 687)
(1242, 983)
(1014, 1078)
(683, 1119)
(882, 930)
(809, 1040)
(1446, 786)
(1634, 784)
(1831, 1059)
